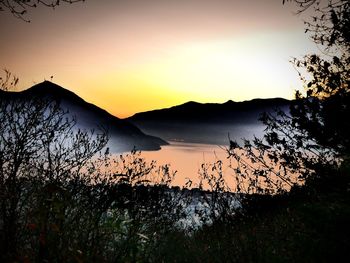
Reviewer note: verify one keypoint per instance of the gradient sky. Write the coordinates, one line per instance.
(137, 55)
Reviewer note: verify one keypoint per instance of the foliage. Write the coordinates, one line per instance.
(329, 25)
(19, 8)
(217, 197)
(313, 136)
(282, 228)
(64, 197)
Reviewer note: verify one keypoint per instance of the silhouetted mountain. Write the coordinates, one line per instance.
(212, 112)
(209, 122)
(124, 136)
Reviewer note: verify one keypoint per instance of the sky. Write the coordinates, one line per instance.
(136, 55)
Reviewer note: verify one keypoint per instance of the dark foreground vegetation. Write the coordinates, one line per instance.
(65, 198)
(306, 225)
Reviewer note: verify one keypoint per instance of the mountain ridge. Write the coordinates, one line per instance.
(196, 111)
(209, 123)
(124, 136)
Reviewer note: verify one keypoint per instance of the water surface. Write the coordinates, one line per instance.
(187, 159)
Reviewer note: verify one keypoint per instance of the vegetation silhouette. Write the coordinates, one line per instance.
(297, 176)
(65, 197)
(314, 138)
(20, 8)
(62, 199)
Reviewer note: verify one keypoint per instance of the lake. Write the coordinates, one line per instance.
(187, 158)
(192, 144)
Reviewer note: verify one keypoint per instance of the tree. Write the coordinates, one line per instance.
(313, 138)
(38, 146)
(20, 8)
(329, 78)
(64, 198)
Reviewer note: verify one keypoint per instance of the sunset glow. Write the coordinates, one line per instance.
(132, 56)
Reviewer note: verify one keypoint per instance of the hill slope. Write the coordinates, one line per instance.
(123, 135)
(210, 122)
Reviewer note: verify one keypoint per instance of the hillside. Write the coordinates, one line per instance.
(209, 122)
(124, 136)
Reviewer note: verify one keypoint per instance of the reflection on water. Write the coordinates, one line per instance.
(187, 158)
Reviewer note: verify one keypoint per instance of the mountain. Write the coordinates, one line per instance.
(123, 135)
(208, 122)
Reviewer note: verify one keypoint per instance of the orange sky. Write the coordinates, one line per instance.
(137, 55)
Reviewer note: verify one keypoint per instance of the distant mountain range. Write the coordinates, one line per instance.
(210, 122)
(124, 136)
